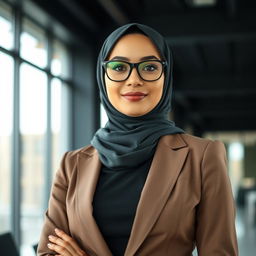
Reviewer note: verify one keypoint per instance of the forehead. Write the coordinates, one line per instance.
(134, 46)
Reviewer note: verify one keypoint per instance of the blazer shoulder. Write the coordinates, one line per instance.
(189, 138)
(196, 141)
(200, 144)
(87, 150)
(69, 159)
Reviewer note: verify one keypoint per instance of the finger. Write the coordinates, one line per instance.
(59, 249)
(68, 239)
(59, 241)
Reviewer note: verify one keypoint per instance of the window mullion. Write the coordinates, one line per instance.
(16, 143)
(48, 145)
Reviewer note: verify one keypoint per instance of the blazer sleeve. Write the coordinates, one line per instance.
(55, 216)
(216, 212)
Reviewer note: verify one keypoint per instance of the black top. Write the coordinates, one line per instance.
(115, 202)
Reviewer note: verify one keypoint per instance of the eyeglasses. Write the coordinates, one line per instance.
(118, 71)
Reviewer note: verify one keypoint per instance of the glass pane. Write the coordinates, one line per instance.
(33, 44)
(60, 60)
(103, 116)
(6, 27)
(33, 111)
(60, 103)
(6, 116)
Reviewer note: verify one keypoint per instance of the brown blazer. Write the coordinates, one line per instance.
(186, 201)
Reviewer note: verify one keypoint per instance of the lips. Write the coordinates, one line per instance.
(134, 94)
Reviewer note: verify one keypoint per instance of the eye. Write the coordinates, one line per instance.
(117, 66)
(149, 66)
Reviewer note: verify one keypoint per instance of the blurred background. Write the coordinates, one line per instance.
(49, 101)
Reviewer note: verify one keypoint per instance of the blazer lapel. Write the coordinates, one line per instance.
(89, 167)
(168, 160)
(167, 163)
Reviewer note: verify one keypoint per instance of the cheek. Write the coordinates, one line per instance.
(157, 91)
(113, 91)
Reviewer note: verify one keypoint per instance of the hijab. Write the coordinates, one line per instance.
(128, 141)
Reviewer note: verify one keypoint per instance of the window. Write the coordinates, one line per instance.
(6, 131)
(35, 115)
(6, 26)
(60, 124)
(33, 106)
(33, 44)
(103, 116)
(60, 63)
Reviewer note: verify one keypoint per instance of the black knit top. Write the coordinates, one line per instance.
(115, 202)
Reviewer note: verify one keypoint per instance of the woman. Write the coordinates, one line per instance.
(143, 186)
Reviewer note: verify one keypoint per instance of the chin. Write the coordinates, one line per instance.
(132, 111)
(134, 114)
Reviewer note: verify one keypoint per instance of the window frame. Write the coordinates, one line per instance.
(18, 15)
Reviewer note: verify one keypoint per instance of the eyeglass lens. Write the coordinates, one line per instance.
(148, 70)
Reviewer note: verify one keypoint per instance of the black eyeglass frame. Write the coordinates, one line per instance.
(132, 65)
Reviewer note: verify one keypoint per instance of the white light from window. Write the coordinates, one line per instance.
(6, 27)
(103, 116)
(198, 3)
(236, 151)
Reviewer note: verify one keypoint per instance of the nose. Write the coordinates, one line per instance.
(134, 78)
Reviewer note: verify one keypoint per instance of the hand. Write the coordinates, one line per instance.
(64, 245)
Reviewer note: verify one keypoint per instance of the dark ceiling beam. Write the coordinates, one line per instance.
(63, 16)
(232, 124)
(196, 119)
(133, 8)
(234, 84)
(181, 4)
(181, 100)
(209, 26)
(231, 6)
(225, 105)
(192, 116)
(210, 38)
(81, 14)
(114, 11)
(233, 59)
(201, 57)
(228, 113)
(217, 93)
(220, 118)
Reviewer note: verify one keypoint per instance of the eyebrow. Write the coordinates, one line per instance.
(127, 59)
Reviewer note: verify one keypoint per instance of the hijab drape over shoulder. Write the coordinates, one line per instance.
(128, 141)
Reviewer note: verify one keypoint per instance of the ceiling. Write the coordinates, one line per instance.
(214, 48)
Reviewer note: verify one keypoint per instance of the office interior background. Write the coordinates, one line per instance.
(49, 100)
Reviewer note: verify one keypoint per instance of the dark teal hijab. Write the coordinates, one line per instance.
(127, 141)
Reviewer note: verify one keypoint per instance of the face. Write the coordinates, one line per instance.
(134, 48)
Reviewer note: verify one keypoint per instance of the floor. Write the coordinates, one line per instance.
(246, 233)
